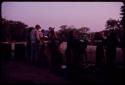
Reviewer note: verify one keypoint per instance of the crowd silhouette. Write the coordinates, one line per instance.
(76, 50)
(47, 50)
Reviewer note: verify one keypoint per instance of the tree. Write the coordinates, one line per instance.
(13, 30)
(122, 11)
(5, 30)
(123, 24)
(111, 24)
(84, 29)
(63, 27)
(115, 26)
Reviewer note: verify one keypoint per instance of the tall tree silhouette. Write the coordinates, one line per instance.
(63, 27)
(123, 24)
(13, 30)
(111, 24)
(84, 29)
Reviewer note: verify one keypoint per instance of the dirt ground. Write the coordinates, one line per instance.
(21, 72)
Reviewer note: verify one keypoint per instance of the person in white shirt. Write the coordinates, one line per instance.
(35, 42)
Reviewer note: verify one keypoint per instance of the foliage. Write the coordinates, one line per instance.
(13, 30)
(63, 33)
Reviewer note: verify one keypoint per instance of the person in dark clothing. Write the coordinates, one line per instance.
(42, 61)
(73, 56)
(69, 50)
(83, 46)
(53, 45)
(99, 41)
(111, 44)
(69, 55)
(28, 44)
(76, 51)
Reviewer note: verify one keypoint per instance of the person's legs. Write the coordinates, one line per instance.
(85, 56)
(113, 56)
(110, 54)
(37, 53)
(28, 53)
(32, 52)
(99, 56)
(69, 58)
(42, 58)
(55, 56)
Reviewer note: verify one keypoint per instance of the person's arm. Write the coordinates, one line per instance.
(55, 35)
(42, 34)
(41, 37)
(37, 36)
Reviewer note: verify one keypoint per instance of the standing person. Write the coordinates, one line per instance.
(111, 44)
(53, 45)
(99, 41)
(69, 51)
(73, 50)
(69, 54)
(35, 41)
(29, 43)
(83, 51)
(63, 47)
(73, 55)
(76, 51)
(42, 57)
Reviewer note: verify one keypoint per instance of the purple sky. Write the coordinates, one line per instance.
(55, 14)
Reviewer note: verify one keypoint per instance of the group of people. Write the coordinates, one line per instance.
(106, 49)
(39, 47)
(75, 54)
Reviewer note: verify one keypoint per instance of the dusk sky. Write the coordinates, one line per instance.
(90, 14)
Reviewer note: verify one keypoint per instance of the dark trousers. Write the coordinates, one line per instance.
(55, 55)
(99, 56)
(35, 48)
(42, 58)
(111, 55)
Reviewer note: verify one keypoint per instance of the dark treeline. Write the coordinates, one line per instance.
(18, 31)
(13, 30)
